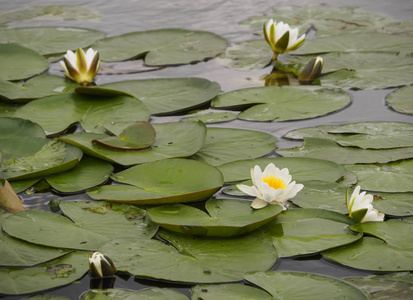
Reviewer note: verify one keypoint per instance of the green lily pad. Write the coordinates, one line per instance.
(230, 291)
(366, 135)
(323, 148)
(283, 103)
(175, 139)
(362, 70)
(49, 13)
(147, 294)
(19, 62)
(395, 177)
(164, 181)
(22, 185)
(395, 204)
(49, 229)
(95, 114)
(297, 285)
(224, 217)
(88, 173)
(50, 40)
(373, 254)
(385, 287)
(192, 259)
(301, 168)
(308, 231)
(47, 297)
(52, 274)
(323, 18)
(393, 232)
(249, 55)
(223, 145)
(162, 46)
(211, 116)
(7, 109)
(138, 136)
(18, 253)
(34, 157)
(112, 220)
(36, 87)
(400, 100)
(176, 94)
(15, 127)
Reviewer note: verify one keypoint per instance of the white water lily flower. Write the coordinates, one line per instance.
(273, 186)
(100, 265)
(80, 66)
(360, 207)
(281, 37)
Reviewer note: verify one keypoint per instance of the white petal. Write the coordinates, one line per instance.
(90, 54)
(256, 176)
(258, 203)
(71, 57)
(293, 37)
(62, 63)
(249, 190)
(373, 215)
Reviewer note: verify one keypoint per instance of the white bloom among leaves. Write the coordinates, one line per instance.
(273, 186)
(100, 265)
(281, 37)
(360, 207)
(80, 66)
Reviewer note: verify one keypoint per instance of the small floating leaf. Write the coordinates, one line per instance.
(401, 101)
(140, 135)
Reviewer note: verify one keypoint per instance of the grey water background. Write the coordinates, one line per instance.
(221, 17)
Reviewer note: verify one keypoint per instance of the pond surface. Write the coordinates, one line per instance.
(221, 17)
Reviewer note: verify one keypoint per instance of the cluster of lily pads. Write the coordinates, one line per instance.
(155, 213)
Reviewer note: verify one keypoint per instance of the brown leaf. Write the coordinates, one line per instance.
(9, 201)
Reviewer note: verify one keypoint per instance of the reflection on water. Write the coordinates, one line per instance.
(221, 17)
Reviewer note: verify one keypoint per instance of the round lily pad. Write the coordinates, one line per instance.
(395, 177)
(192, 259)
(31, 157)
(224, 217)
(308, 231)
(95, 114)
(164, 181)
(283, 103)
(16, 127)
(112, 220)
(373, 254)
(49, 275)
(323, 148)
(138, 136)
(152, 294)
(36, 87)
(176, 139)
(18, 62)
(223, 145)
(88, 173)
(176, 94)
(366, 135)
(53, 230)
(50, 40)
(162, 46)
(301, 168)
(297, 285)
(400, 100)
(19, 253)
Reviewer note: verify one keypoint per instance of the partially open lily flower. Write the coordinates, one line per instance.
(273, 186)
(80, 66)
(281, 37)
(360, 207)
(100, 265)
(312, 70)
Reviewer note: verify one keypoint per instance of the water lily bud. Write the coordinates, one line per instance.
(312, 70)
(100, 265)
(360, 207)
(80, 66)
(281, 37)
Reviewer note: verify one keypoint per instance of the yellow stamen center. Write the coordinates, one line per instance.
(274, 182)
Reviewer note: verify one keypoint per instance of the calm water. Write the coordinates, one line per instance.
(221, 17)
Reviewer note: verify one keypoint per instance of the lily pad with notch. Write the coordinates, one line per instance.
(174, 139)
(138, 136)
(223, 217)
(163, 181)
